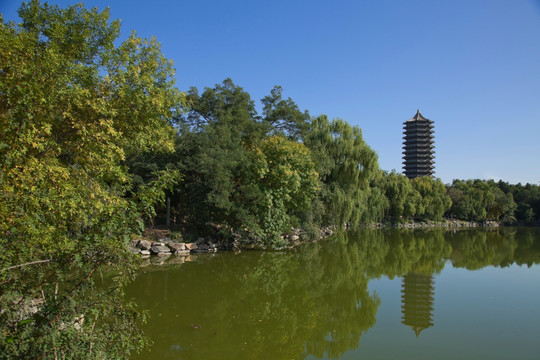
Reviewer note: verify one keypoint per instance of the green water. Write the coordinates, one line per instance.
(366, 295)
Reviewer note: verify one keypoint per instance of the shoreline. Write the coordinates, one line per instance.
(164, 247)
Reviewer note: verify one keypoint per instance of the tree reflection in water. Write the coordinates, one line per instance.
(313, 300)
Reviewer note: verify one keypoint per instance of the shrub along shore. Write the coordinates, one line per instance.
(160, 243)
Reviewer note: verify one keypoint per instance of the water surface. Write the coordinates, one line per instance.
(373, 294)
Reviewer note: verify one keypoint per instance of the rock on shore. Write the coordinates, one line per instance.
(165, 246)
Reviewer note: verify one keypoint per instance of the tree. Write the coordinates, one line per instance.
(402, 197)
(434, 200)
(283, 117)
(503, 207)
(238, 178)
(212, 153)
(527, 198)
(286, 183)
(72, 107)
(345, 164)
(481, 200)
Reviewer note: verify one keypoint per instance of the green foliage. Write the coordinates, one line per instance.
(345, 164)
(87, 151)
(476, 199)
(240, 177)
(527, 201)
(212, 153)
(286, 179)
(480, 200)
(403, 199)
(503, 207)
(283, 117)
(73, 106)
(434, 201)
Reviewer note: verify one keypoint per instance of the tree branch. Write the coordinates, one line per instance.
(29, 263)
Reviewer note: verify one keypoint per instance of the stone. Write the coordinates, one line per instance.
(157, 249)
(145, 252)
(295, 237)
(176, 246)
(144, 244)
(191, 246)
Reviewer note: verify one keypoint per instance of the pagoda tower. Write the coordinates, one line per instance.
(418, 153)
(417, 292)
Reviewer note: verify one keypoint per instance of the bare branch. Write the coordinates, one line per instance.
(29, 263)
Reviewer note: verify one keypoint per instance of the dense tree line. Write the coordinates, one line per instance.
(481, 200)
(257, 175)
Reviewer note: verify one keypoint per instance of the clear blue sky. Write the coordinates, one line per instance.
(471, 66)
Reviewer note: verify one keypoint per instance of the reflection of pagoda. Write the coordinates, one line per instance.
(417, 301)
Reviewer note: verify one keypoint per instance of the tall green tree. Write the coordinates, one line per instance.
(283, 117)
(503, 207)
(73, 105)
(402, 197)
(434, 200)
(212, 153)
(527, 198)
(345, 164)
(286, 182)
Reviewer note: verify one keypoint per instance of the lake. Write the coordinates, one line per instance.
(368, 294)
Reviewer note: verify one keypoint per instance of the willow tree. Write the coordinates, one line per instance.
(402, 197)
(345, 164)
(73, 105)
(434, 200)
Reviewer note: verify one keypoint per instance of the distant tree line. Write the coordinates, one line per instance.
(480, 200)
